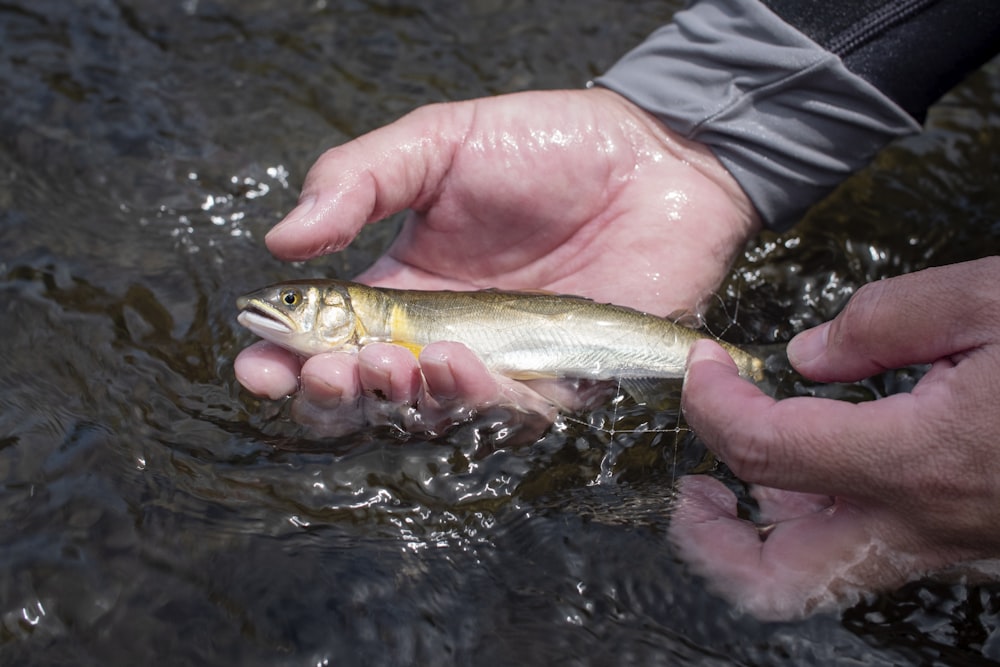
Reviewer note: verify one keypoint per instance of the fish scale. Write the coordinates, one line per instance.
(518, 334)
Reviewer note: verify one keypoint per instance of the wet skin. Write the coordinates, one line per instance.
(869, 498)
(551, 191)
(535, 190)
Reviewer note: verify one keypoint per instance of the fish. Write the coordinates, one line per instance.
(523, 335)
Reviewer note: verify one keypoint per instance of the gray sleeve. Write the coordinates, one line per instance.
(786, 118)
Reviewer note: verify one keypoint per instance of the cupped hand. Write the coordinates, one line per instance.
(854, 498)
(570, 191)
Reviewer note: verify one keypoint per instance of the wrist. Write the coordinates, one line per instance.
(711, 217)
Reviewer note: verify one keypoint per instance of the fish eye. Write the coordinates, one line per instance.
(291, 297)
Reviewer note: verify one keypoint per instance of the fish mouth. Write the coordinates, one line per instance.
(262, 318)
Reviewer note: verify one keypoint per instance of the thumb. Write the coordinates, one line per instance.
(818, 445)
(369, 178)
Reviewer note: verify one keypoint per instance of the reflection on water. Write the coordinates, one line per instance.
(153, 511)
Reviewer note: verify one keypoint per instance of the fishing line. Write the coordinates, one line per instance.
(616, 445)
(613, 430)
(617, 402)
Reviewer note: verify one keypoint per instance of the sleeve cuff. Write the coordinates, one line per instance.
(785, 117)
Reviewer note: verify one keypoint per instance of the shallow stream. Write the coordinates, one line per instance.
(155, 513)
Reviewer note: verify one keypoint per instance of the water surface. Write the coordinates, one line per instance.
(154, 512)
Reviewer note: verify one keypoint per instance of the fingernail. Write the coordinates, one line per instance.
(321, 393)
(809, 345)
(700, 351)
(301, 210)
(440, 377)
(328, 398)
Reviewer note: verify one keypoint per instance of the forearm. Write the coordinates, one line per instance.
(792, 106)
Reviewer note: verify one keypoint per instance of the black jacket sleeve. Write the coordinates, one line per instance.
(914, 51)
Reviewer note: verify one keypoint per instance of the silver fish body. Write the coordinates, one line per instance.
(523, 335)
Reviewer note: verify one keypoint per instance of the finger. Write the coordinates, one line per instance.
(387, 170)
(330, 380)
(815, 561)
(455, 374)
(813, 445)
(390, 373)
(573, 395)
(267, 370)
(457, 378)
(328, 402)
(780, 505)
(913, 319)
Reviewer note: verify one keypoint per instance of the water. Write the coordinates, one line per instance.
(154, 512)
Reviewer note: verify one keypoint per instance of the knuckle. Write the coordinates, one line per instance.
(857, 318)
(753, 460)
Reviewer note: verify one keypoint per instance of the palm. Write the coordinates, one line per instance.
(554, 191)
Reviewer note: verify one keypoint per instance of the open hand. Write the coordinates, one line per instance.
(570, 191)
(854, 497)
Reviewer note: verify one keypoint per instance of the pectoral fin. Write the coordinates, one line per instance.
(654, 392)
